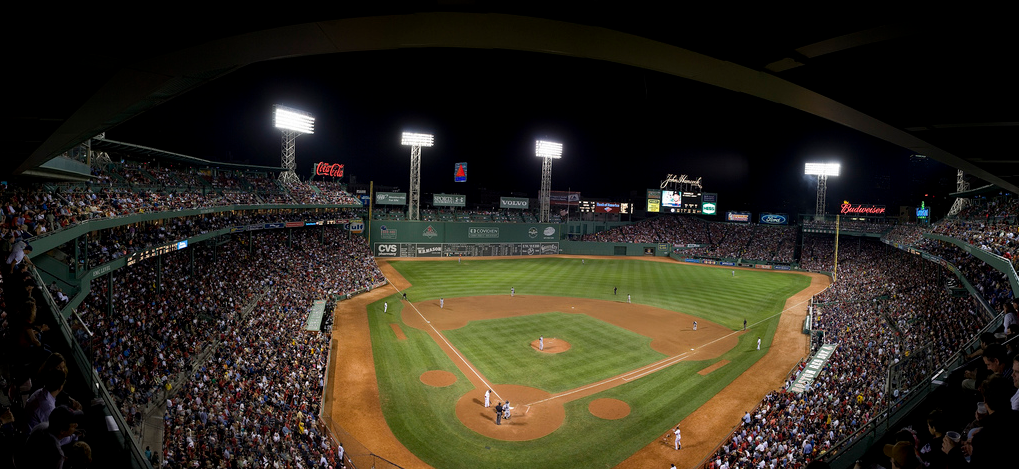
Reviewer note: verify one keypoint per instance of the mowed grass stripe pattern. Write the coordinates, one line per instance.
(423, 417)
(711, 293)
(500, 349)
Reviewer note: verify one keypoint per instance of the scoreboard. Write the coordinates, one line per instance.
(669, 201)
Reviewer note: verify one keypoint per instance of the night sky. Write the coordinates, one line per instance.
(623, 129)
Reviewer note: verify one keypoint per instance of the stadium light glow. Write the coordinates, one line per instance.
(822, 169)
(417, 140)
(543, 149)
(291, 119)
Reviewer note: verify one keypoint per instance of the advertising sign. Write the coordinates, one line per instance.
(923, 212)
(861, 209)
(741, 217)
(449, 200)
(773, 218)
(654, 205)
(708, 208)
(513, 202)
(564, 198)
(391, 198)
(326, 169)
(356, 226)
(606, 207)
(483, 232)
(460, 172)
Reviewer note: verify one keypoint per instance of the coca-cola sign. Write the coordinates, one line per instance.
(848, 209)
(327, 169)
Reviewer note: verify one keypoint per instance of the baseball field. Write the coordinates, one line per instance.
(617, 366)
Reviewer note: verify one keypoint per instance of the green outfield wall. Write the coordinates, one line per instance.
(444, 239)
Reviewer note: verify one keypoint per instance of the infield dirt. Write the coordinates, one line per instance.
(352, 395)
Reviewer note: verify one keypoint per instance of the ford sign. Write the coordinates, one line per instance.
(774, 219)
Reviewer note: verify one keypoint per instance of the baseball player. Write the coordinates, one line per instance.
(627, 297)
(385, 307)
(583, 261)
(506, 411)
(498, 413)
(744, 324)
(488, 398)
(442, 303)
(614, 290)
(758, 343)
(676, 431)
(734, 274)
(404, 296)
(513, 291)
(695, 325)
(541, 343)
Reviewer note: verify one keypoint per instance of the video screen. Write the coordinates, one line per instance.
(672, 199)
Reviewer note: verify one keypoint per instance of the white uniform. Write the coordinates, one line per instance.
(541, 343)
(513, 291)
(676, 431)
(385, 307)
(442, 303)
(488, 398)
(695, 325)
(627, 297)
(758, 343)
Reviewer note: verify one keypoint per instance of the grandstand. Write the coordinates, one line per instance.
(173, 300)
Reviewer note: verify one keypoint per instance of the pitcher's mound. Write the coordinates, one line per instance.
(552, 346)
(438, 378)
(609, 409)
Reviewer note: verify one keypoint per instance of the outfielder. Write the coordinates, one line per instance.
(385, 307)
(627, 297)
(758, 343)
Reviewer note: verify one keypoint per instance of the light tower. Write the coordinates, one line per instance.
(547, 151)
(292, 123)
(415, 142)
(822, 171)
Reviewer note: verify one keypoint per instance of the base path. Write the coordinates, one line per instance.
(706, 427)
(352, 399)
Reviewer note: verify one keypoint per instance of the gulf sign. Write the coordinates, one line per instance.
(774, 219)
(356, 226)
(606, 207)
(741, 217)
(326, 169)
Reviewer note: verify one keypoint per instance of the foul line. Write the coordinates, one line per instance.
(661, 364)
(451, 347)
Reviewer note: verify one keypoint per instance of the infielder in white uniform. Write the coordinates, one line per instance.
(488, 398)
(442, 303)
(385, 307)
(676, 431)
(627, 297)
(695, 325)
(541, 343)
(513, 291)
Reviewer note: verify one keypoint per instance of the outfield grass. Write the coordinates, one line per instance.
(423, 417)
(598, 350)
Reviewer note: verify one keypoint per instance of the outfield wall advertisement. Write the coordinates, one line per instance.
(513, 202)
(391, 198)
(457, 232)
(464, 249)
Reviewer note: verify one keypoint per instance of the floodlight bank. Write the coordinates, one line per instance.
(822, 169)
(294, 120)
(417, 140)
(545, 149)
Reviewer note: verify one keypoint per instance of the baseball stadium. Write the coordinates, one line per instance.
(216, 256)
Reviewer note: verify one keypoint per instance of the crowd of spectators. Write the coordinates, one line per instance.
(885, 306)
(710, 239)
(257, 399)
(125, 189)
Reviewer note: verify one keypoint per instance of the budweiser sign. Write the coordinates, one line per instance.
(848, 208)
(326, 169)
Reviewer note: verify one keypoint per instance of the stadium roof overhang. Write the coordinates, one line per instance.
(139, 151)
(938, 86)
